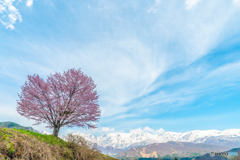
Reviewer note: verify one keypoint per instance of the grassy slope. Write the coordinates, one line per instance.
(15, 125)
(22, 144)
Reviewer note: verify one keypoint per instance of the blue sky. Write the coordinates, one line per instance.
(170, 64)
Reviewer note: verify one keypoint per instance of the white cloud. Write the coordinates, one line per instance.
(2, 8)
(106, 129)
(138, 130)
(46, 132)
(189, 4)
(160, 131)
(12, 18)
(11, 8)
(29, 3)
(236, 2)
(123, 116)
(10, 14)
(148, 129)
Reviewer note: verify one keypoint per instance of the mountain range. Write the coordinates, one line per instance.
(171, 149)
(116, 142)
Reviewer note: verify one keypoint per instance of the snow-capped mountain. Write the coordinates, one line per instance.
(141, 138)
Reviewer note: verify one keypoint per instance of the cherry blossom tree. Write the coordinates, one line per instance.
(63, 100)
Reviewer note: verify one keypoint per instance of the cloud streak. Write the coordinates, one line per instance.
(191, 3)
(106, 129)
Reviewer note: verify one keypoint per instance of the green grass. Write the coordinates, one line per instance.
(49, 139)
(14, 125)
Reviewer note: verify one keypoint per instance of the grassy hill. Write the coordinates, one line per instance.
(22, 144)
(17, 126)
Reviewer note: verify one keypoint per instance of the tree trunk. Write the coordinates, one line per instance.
(56, 131)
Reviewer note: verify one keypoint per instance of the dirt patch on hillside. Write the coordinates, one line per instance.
(144, 154)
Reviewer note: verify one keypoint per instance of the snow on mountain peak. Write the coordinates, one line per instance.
(147, 136)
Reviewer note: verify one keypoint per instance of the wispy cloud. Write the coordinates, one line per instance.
(155, 7)
(147, 129)
(225, 73)
(236, 2)
(129, 68)
(191, 3)
(106, 129)
(148, 62)
(174, 92)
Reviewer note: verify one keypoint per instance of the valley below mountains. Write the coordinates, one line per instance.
(171, 149)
